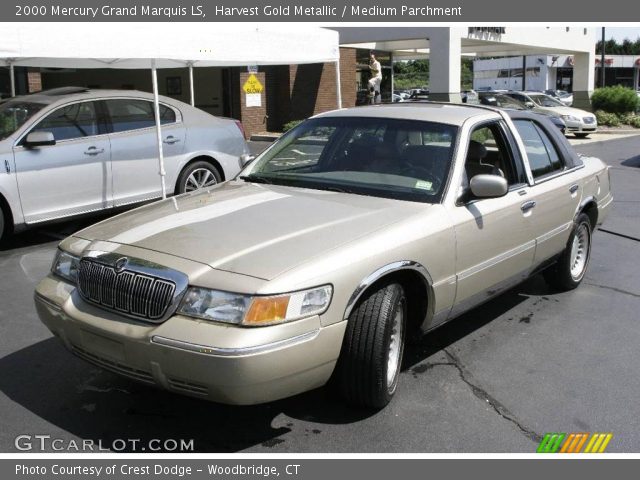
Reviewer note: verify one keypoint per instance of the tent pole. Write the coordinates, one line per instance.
(156, 106)
(13, 79)
(193, 93)
(338, 86)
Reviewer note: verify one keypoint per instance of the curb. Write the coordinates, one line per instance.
(635, 131)
(265, 137)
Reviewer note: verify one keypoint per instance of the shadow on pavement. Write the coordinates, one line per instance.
(93, 404)
(632, 162)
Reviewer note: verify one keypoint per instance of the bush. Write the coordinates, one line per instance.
(616, 99)
(635, 122)
(292, 124)
(607, 119)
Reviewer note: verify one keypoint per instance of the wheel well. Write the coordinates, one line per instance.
(5, 210)
(203, 158)
(416, 292)
(591, 209)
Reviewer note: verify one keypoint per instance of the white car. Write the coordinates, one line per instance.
(71, 151)
(579, 122)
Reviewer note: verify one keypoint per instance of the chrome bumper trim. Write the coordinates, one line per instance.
(234, 352)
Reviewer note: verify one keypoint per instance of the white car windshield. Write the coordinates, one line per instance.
(546, 101)
(393, 158)
(14, 113)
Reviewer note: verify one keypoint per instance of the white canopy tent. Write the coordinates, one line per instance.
(165, 45)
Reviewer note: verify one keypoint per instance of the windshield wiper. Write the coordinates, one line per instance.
(253, 178)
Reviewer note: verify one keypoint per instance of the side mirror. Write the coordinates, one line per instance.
(488, 186)
(529, 104)
(246, 159)
(39, 139)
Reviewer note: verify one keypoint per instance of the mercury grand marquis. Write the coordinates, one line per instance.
(356, 229)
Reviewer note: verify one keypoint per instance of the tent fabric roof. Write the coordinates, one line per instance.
(172, 45)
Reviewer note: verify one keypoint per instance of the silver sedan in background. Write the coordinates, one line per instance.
(71, 151)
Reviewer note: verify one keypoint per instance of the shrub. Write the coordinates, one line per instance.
(616, 99)
(292, 124)
(635, 122)
(607, 119)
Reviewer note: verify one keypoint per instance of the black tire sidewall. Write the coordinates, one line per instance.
(182, 179)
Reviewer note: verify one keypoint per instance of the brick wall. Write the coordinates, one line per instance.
(34, 80)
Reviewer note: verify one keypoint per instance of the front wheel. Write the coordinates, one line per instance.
(571, 268)
(198, 175)
(581, 135)
(369, 365)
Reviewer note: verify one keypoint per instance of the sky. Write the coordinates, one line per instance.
(619, 33)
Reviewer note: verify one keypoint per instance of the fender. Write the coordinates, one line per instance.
(386, 270)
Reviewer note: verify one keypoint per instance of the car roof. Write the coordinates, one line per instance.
(66, 94)
(449, 113)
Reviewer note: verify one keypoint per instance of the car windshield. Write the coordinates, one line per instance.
(13, 114)
(546, 101)
(502, 101)
(391, 158)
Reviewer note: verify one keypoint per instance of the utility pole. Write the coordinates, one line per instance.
(602, 66)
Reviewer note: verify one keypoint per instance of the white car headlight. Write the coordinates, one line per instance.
(254, 311)
(65, 266)
(570, 118)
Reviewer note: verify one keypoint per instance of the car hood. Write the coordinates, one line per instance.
(576, 112)
(250, 229)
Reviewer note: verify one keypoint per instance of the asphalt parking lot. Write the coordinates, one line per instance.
(495, 380)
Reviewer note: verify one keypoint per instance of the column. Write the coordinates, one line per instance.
(445, 53)
(583, 79)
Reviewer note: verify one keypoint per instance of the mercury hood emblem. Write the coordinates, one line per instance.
(121, 264)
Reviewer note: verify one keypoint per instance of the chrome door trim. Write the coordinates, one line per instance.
(496, 260)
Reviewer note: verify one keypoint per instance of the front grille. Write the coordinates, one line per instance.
(589, 120)
(132, 293)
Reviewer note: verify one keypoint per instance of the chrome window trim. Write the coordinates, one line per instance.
(559, 173)
(234, 352)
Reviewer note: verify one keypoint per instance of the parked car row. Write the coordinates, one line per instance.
(69, 151)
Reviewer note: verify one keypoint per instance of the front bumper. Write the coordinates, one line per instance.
(581, 127)
(218, 362)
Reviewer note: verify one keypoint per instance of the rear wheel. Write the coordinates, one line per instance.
(198, 175)
(571, 268)
(3, 224)
(369, 365)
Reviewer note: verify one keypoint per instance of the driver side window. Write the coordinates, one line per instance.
(72, 121)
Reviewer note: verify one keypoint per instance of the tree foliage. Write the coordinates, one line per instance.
(612, 47)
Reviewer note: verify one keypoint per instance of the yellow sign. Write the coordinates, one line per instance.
(252, 85)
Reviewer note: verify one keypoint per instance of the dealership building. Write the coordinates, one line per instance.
(293, 92)
(553, 72)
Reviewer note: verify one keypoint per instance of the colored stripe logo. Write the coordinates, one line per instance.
(574, 442)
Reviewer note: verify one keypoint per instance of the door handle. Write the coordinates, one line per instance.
(171, 140)
(7, 167)
(93, 151)
(574, 188)
(526, 206)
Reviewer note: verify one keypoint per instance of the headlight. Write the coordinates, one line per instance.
(65, 266)
(250, 311)
(570, 118)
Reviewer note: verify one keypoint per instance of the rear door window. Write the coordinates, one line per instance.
(128, 114)
(542, 153)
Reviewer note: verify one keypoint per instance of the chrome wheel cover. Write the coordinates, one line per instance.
(395, 347)
(199, 178)
(579, 252)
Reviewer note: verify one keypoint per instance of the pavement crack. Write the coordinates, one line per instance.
(622, 235)
(482, 394)
(619, 290)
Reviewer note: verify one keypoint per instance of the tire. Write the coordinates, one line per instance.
(198, 175)
(2, 224)
(572, 265)
(581, 135)
(369, 364)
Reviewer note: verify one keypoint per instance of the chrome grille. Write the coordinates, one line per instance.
(132, 293)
